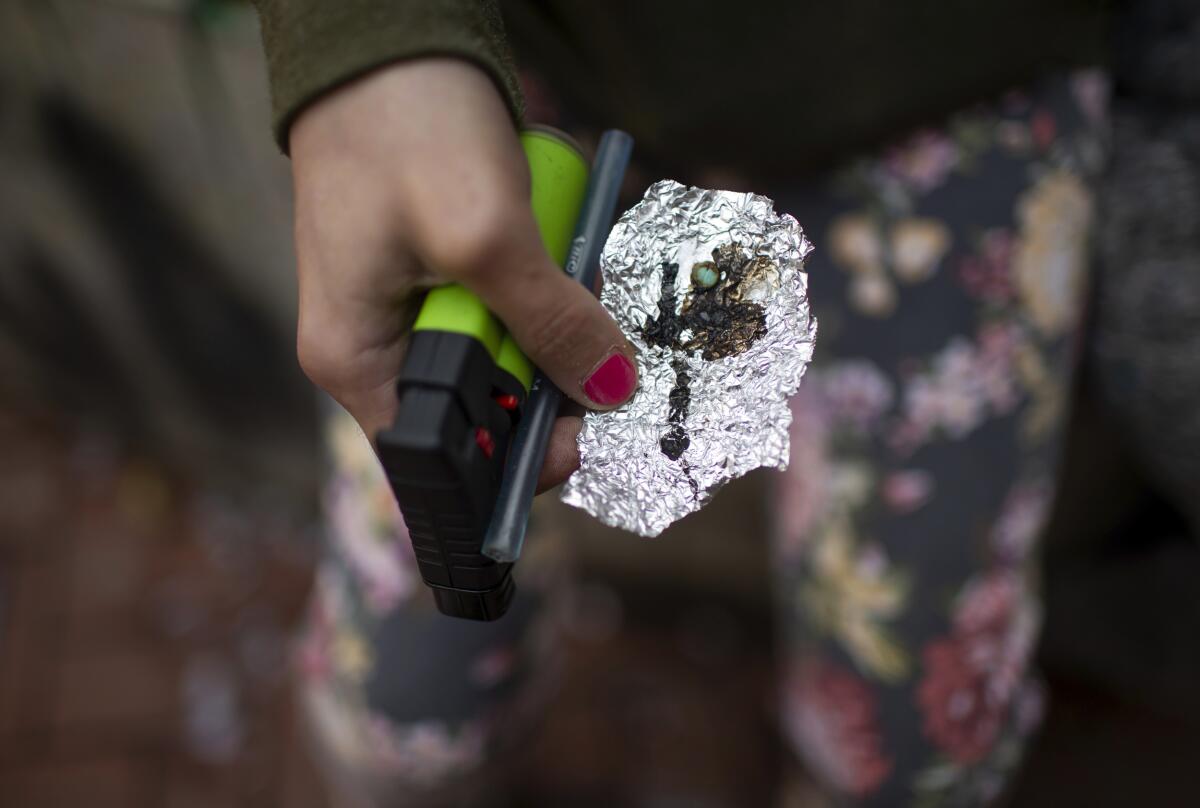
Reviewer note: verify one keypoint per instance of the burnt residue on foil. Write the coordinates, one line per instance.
(665, 330)
(715, 318)
(709, 286)
(714, 321)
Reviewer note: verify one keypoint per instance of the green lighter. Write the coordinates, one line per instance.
(461, 392)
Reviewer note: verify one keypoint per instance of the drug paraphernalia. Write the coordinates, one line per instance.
(510, 518)
(710, 288)
(461, 391)
(464, 389)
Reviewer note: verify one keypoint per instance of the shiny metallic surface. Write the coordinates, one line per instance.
(737, 416)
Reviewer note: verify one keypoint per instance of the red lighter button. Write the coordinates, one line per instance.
(484, 440)
(508, 401)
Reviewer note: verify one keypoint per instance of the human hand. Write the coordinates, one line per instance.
(414, 176)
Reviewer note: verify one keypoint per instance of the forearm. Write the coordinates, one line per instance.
(314, 46)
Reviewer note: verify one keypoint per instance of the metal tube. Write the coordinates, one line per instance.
(506, 531)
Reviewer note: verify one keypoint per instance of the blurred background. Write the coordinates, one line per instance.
(159, 469)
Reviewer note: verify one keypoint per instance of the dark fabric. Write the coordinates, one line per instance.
(313, 45)
(775, 87)
(1147, 346)
(801, 82)
(949, 279)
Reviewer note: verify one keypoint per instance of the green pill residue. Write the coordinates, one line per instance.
(705, 274)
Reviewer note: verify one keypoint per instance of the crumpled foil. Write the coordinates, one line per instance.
(717, 363)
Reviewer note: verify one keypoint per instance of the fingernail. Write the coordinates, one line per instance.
(612, 381)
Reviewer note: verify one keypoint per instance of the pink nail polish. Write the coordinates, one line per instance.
(612, 381)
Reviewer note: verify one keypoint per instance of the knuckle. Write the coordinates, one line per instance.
(317, 357)
(474, 244)
(555, 331)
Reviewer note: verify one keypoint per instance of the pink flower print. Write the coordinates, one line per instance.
(986, 604)
(1030, 706)
(924, 160)
(854, 393)
(972, 676)
(425, 751)
(907, 490)
(312, 654)
(1043, 129)
(493, 667)
(1092, 90)
(830, 715)
(366, 528)
(956, 716)
(987, 274)
(963, 383)
(1021, 519)
(948, 397)
(998, 343)
(804, 488)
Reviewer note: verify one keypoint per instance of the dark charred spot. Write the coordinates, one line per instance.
(720, 323)
(676, 441)
(664, 329)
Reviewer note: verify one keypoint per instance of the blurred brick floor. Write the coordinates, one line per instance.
(144, 632)
(143, 658)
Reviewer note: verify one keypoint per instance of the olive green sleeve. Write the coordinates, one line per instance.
(313, 46)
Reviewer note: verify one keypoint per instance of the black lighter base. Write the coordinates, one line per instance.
(491, 604)
(444, 457)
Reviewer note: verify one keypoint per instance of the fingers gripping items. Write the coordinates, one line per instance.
(461, 391)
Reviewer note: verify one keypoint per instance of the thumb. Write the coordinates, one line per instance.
(561, 327)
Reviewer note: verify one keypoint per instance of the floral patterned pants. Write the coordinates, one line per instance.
(949, 280)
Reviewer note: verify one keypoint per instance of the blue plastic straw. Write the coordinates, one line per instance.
(506, 531)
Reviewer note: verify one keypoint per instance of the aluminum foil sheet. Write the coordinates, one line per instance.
(710, 288)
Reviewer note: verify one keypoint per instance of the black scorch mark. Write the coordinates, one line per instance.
(717, 320)
(676, 441)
